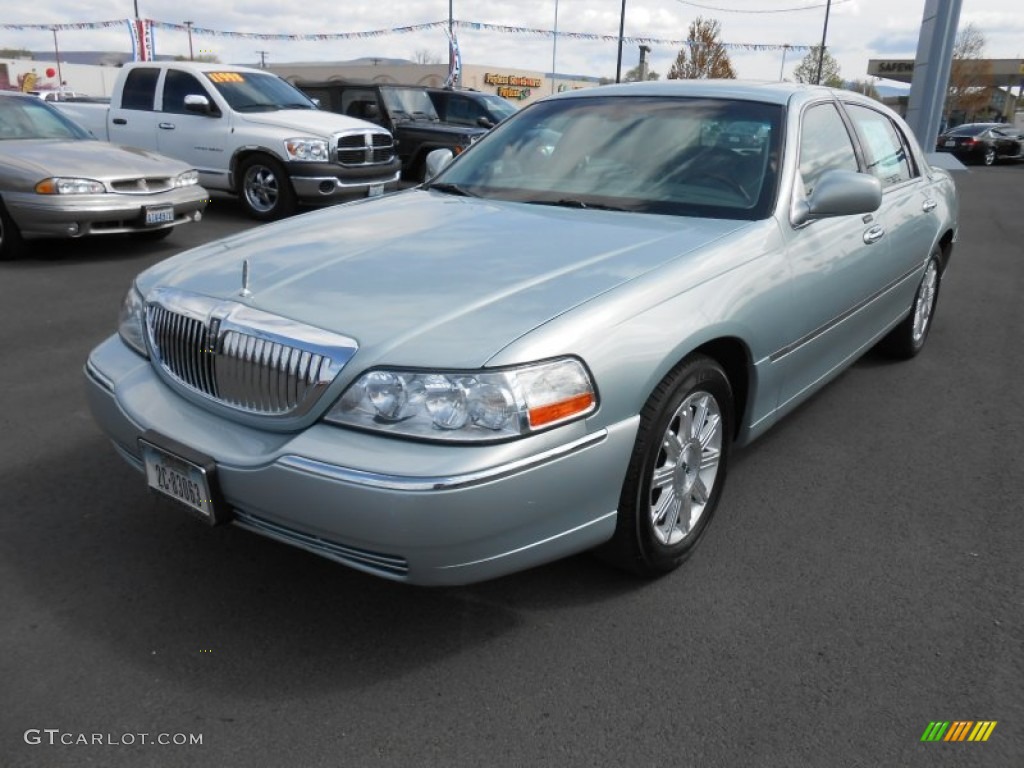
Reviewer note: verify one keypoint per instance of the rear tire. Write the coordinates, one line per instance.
(907, 339)
(12, 245)
(677, 470)
(265, 189)
(989, 158)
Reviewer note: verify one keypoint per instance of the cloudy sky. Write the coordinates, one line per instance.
(858, 29)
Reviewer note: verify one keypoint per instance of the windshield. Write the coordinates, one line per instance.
(257, 92)
(409, 102)
(638, 153)
(499, 107)
(24, 118)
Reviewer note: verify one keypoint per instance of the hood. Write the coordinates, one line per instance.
(314, 121)
(85, 158)
(422, 278)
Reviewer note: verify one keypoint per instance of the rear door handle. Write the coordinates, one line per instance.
(928, 205)
(167, 126)
(873, 235)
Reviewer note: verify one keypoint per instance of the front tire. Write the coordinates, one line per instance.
(264, 188)
(907, 339)
(677, 470)
(12, 245)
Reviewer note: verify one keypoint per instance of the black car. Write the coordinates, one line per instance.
(466, 107)
(982, 142)
(405, 110)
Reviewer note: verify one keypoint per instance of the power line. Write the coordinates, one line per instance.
(761, 10)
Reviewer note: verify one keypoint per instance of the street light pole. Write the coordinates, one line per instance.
(56, 51)
(824, 34)
(188, 25)
(622, 29)
(554, 48)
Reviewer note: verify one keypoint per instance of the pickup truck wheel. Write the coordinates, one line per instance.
(266, 192)
(12, 246)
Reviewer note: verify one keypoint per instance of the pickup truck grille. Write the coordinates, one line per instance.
(365, 148)
(243, 358)
(148, 185)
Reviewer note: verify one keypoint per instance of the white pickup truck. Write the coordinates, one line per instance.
(246, 131)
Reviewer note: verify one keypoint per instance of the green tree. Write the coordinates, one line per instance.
(703, 56)
(807, 70)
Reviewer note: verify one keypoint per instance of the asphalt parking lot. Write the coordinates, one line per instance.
(861, 579)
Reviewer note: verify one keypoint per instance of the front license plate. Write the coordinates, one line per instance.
(189, 483)
(951, 142)
(375, 190)
(159, 214)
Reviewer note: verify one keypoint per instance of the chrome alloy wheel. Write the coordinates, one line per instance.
(262, 188)
(925, 304)
(685, 471)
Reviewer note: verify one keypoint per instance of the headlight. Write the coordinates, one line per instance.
(186, 179)
(468, 405)
(131, 321)
(59, 185)
(309, 150)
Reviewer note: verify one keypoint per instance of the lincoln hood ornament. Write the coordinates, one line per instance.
(245, 293)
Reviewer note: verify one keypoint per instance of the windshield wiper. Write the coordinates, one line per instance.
(451, 189)
(569, 202)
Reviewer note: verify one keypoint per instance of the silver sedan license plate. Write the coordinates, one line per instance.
(179, 479)
(159, 214)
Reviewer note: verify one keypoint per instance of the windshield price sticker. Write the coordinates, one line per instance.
(225, 77)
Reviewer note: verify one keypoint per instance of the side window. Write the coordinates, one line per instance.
(139, 89)
(459, 110)
(888, 156)
(361, 103)
(824, 145)
(178, 85)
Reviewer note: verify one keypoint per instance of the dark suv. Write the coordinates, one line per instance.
(466, 107)
(405, 110)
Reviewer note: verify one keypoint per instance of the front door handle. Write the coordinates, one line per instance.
(928, 205)
(167, 126)
(873, 235)
(119, 121)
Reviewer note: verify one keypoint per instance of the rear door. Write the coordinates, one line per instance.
(132, 121)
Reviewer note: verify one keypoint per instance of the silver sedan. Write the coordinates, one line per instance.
(58, 181)
(553, 346)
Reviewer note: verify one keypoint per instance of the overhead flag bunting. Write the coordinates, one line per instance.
(475, 26)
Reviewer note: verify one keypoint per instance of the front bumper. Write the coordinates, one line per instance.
(411, 511)
(330, 182)
(104, 214)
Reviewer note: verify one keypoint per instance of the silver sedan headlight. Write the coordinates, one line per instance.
(307, 150)
(62, 185)
(468, 405)
(186, 179)
(131, 322)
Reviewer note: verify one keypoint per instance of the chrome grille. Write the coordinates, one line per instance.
(243, 358)
(365, 148)
(142, 186)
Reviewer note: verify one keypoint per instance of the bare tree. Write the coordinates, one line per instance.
(969, 74)
(863, 86)
(807, 70)
(633, 75)
(426, 56)
(703, 56)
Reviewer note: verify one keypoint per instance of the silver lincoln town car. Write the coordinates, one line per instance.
(550, 347)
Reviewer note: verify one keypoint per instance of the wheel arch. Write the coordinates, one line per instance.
(244, 153)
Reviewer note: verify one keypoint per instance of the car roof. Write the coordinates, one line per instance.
(745, 90)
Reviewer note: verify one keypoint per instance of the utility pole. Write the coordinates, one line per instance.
(188, 24)
(824, 34)
(622, 29)
(554, 48)
(263, 58)
(56, 50)
(782, 68)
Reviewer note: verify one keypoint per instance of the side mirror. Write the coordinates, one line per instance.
(372, 112)
(485, 122)
(198, 104)
(316, 103)
(436, 161)
(838, 193)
